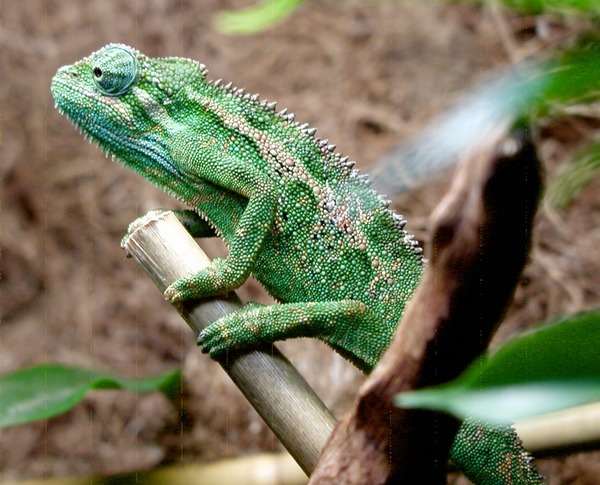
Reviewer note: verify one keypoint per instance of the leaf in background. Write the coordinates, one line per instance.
(548, 6)
(466, 125)
(543, 90)
(44, 391)
(256, 18)
(572, 79)
(555, 367)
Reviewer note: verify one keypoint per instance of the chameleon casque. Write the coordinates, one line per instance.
(291, 210)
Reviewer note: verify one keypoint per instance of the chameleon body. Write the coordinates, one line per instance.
(291, 210)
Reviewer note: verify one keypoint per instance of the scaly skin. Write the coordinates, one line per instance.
(291, 210)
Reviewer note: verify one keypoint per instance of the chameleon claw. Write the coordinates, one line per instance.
(200, 343)
(210, 342)
(172, 295)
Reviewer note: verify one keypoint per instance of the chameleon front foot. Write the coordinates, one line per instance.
(217, 279)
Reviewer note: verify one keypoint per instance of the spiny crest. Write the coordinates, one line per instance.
(270, 106)
(339, 161)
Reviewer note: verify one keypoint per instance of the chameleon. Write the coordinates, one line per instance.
(292, 211)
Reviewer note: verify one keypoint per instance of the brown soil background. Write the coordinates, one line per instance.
(366, 73)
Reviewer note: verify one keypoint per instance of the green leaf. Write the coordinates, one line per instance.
(548, 6)
(540, 90)
(43, 391)
(256, 18)
(555, 367)
(572, 78)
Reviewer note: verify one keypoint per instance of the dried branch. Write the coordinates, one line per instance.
(481, 236)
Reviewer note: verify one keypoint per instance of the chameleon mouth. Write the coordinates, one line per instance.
(141, 153)
(67, 93)
(91, 131)
(76, 113)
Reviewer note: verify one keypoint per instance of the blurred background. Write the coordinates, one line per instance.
(368, 74)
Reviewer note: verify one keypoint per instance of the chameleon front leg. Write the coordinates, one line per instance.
(228, 274)
(333, 322)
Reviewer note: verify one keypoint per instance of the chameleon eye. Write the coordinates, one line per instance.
(115, 69)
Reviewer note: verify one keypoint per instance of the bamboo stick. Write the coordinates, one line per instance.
(271, 384)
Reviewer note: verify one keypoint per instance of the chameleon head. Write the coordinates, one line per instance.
(123, 100)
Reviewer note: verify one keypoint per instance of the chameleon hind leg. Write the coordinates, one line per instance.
(338, 323)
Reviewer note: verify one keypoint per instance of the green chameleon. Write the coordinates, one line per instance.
(291, 210)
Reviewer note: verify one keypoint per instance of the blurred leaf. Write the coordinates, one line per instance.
(576, 174)
(256, 18)
(44, 391)
(524, 92)
(555, 367)
(488, 105)
(548, 6)
(572, 78)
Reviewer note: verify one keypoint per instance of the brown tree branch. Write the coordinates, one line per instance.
(481, 235)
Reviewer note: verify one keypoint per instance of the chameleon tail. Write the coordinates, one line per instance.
(493, 454)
